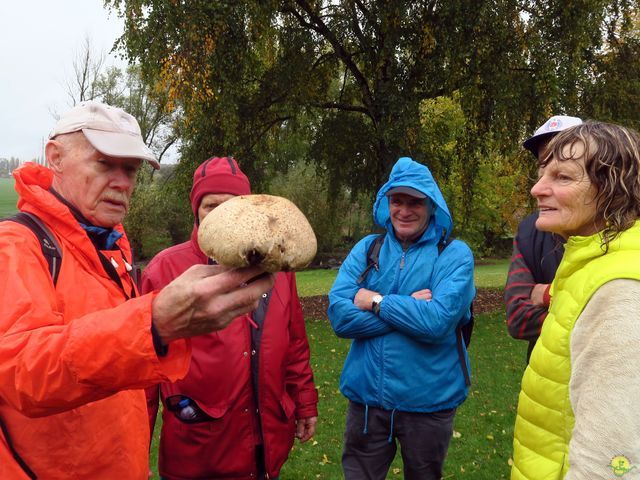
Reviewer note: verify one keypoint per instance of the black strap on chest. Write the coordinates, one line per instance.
(373, 256)
(113, 275)
(48, 244)
(19, 460)
(373, 253)
(53, 253)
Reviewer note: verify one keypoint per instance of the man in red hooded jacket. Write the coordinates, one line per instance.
(249, 390)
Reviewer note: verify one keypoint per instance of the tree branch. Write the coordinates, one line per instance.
(358, 31)
(167, 146)
(343, 106)
(341, 52)
(265, 130)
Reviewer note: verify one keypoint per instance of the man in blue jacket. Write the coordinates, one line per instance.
(407, 369)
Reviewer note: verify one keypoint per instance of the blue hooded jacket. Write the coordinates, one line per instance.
(406, 358)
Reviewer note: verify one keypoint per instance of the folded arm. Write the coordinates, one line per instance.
(432, 320)
(346, 318)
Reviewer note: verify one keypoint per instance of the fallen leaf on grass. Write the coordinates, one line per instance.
(325, 459)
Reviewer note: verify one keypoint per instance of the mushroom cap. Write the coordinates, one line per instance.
(262, 230)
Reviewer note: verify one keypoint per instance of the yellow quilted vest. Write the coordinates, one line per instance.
(544, 422)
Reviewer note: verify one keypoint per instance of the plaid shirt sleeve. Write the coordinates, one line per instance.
(524, 319)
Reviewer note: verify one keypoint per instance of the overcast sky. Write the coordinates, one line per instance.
(38, 42)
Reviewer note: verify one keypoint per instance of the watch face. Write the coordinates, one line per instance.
(375, 303)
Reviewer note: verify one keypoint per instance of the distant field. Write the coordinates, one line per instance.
(8, 197)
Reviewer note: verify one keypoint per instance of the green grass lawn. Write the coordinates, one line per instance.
(315, 282)
(491, 273)
(8, 197)
(481, 447)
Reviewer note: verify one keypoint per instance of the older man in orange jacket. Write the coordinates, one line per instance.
(76, 355)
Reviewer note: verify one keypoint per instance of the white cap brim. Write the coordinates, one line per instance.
(548, 129)
(122, 145)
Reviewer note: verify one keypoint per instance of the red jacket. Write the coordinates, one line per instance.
(220, 382)
(74, 359)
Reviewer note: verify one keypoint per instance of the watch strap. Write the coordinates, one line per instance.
(375, 304)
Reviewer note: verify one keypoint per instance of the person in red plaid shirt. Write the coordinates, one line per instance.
(536, 255)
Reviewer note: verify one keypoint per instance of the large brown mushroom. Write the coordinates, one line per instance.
(262, 230)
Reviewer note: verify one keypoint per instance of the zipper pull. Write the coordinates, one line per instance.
(252, 322)
(402, 261)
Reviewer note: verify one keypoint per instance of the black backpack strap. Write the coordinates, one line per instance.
(463, 332)
(373, 255)
(459, 345)
(467, 328)
(52, 253)
(15, 454)
(50, 248)
(444, 241)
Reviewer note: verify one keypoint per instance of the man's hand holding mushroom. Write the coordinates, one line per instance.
(206, 298)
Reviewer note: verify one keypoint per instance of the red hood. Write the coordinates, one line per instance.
(196, 246)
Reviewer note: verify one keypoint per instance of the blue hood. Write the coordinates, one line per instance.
(408, 173)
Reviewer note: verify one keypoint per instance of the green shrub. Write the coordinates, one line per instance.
(336, 220)
(158, 216)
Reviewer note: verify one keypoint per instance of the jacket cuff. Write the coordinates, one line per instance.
(307, 404)
(546, 298)
(160, 348)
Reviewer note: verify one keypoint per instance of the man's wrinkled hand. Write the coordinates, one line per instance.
(364, 298)
(205, 298)
(305, 428)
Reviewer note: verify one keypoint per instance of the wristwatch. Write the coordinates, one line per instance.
(375, 303)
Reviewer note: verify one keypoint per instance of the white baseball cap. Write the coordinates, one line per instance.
(110, 130)
(551, 127)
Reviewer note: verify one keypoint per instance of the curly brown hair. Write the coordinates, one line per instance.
(612, 163)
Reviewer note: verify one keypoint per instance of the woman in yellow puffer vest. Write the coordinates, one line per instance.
(577, 411)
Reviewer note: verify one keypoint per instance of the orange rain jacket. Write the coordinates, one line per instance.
(73, 360)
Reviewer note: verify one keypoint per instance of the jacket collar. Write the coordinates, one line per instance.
(196, 247)
(33, 184)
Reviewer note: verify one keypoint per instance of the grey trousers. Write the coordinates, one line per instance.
(423, 437)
